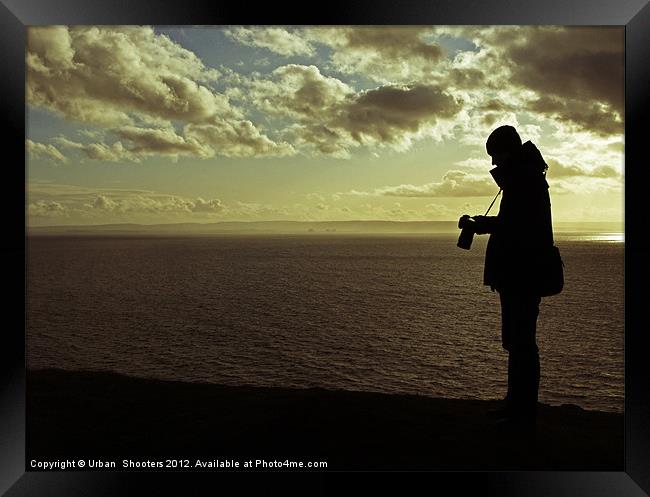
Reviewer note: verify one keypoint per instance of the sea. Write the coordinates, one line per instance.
(397, 314)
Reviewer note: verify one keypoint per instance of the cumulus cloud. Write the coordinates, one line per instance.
(559, 170)
(605, 172)
(213, 205)
(475, 165)
(153, 204)
(113, 204)
(332, 118)
(257, 211)
(454, 184)
(463, 184)
(468, 78)
(578, 63)
(115, 152)
(440, 211)
(158, 98)
(163, 141)
(104, 74)
(572, 75)
(105, 203)
(240, 139)
(589, 115)
(118, 76)
(385, 54)
(96, 134)
(382, 53)
(299, 91)
(237, 139)
(386, 113)
(584, 186)
(565, 75)
(45, 209)
(44, 150)
(277, 39)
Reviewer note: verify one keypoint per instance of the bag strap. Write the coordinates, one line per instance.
(495, 199)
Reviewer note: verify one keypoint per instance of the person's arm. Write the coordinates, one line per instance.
(485, 224)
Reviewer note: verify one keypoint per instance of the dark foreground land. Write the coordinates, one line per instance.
(113, 417)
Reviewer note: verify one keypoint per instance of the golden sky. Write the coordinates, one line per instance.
(202, 124)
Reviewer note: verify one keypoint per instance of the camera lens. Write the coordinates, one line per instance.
(465, 239)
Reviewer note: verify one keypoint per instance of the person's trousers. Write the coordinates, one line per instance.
(518, 334)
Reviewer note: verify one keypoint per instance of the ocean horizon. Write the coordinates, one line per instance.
(296, 226)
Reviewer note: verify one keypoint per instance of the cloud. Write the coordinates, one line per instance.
(104, 74)
(46, 209)
(568, 75)
(384, 54)
(332, 118)
(439, 211)
(162, 141)
(475, 165)
(115, 152)
(454, 184)
(114, 204)
(117, 77)
(468, 78)
(605, 172)
(300, 92)
(386, 113)
(154, 204)
(576, 74)
(592, 116)
(495, 105)
(92, 134)
(462, 184)
(237, 139)
(213, 205)
(276, 39)
(257, 211)
(558, 170)
(240, 139)
(314, 197)
(156, 98)
(44, 150)
(584, 186)
(580, 63)
(104, 203)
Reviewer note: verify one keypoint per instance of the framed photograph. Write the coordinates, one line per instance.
(269, 243)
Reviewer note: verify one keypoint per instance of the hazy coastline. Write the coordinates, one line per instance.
(296, 227)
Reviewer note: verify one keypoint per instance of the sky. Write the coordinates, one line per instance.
(151, 124)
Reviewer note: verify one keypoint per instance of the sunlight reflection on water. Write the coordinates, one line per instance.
(592, 237)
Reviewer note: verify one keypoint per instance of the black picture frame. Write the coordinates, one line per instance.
(16, 15)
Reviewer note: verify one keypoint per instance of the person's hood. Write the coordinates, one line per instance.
(531, 158)
(526, 166)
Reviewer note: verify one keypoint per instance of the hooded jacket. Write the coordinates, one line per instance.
(522, 232)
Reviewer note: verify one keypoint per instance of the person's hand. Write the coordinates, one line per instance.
(480, 225)
(464, 220)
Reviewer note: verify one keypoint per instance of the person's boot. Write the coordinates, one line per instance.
(521, 426)
(505, 407)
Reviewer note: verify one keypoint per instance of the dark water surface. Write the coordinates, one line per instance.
(392, 314)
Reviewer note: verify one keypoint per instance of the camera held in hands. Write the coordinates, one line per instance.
(466, 225)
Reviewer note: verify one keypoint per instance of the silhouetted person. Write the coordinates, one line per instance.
(518, 236)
